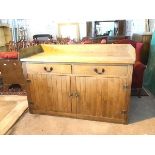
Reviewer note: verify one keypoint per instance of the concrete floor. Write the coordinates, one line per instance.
(141, 121)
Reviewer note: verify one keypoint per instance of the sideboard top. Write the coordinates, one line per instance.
(87, 53)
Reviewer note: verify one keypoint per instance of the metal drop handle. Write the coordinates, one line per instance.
(96, 71)
(50, 69)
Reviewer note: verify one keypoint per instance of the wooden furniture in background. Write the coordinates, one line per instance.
(145, 38)
(81, 81)
(11, 73)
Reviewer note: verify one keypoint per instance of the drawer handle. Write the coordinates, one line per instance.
(96, 71)
(50, 70)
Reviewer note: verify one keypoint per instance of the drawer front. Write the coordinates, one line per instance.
(103, 70)
(48, 68)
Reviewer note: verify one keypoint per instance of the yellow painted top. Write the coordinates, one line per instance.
(85, 53)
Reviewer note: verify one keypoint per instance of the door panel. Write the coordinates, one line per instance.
(101, 97)
(92, 96)
(51, 92)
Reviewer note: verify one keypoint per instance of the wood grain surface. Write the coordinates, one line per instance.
(93, 53)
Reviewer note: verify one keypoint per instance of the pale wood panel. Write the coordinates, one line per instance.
(65, 88)
(101, 97)
(128, 91)
(92, 96)
(50, 93)
(37, 99)
(58, 89)
(6, 107)
(102, 70)
(116, 98)
(13, 115)
(89, 70)
(117, 70)
(51, 68)
(95, 53)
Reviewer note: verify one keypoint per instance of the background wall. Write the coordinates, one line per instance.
(50, 27)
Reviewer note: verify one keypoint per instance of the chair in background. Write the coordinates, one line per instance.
(139, 67)
(42, 38)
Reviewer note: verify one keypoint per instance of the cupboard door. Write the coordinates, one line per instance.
(101, 98)
(50, 93)
(92, 96)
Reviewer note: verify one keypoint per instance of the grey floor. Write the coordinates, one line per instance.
(141, 121)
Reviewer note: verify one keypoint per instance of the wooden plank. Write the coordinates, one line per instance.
(7, 122)
(50, 93)
(5, 108)
(128, 93)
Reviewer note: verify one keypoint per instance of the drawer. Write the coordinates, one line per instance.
(103, 70)
(48, 68)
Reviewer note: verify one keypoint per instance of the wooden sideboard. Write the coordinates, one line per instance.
(81, 81)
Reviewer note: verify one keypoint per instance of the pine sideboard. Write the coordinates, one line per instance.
(80, 81)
